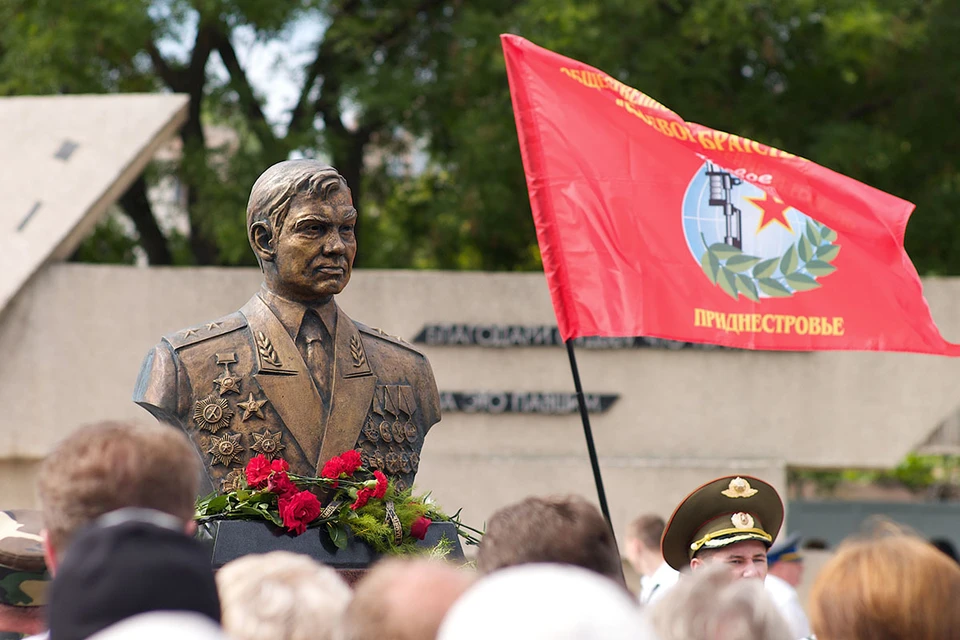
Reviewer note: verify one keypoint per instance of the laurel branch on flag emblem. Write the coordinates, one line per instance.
(798, 269)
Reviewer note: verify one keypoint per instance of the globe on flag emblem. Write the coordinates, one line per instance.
(750, 244)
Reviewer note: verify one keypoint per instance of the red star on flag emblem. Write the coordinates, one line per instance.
(771, 211)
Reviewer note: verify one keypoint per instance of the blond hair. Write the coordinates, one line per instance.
(713, 605)
(403, 599)
(280, 596)
(892, 587)
(107, 466)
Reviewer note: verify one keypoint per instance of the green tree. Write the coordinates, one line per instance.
(410, 101)
(864, 88)
(351, 102)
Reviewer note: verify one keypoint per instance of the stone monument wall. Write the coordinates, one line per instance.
(666, 418)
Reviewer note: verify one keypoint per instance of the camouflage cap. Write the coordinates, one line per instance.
(722, 512)
(23, 570)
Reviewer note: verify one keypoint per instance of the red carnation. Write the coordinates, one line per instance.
(363, 496)
(381, 489)
(419, 527)
(258, 471)
(332, 470)
(280, 484)
(350, 461)
(280, 465)
(298, 510)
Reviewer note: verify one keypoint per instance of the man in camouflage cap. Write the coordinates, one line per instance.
(732, 520)
(23, 574)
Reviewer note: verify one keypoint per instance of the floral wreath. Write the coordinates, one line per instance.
(363, 502)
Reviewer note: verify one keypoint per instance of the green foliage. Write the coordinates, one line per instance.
(241, 505)
(917, 473)
(369, 527)
(371, 519)
(370, 524)
(410, 101)
(109, 243)
(825, 481)
(50, 46)
(338, 534)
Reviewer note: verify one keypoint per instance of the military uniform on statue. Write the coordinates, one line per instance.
(290, 375)
(233, 396)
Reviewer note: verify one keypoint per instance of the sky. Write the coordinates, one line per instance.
(274, 68)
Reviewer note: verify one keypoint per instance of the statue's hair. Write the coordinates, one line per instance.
(276, 187)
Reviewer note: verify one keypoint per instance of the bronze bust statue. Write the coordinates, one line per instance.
(290, 375)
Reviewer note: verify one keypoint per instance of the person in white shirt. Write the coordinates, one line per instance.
(642, 550)
(784, 573)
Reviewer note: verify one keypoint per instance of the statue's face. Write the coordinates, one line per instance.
(315, 247)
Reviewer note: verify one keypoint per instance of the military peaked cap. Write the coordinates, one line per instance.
(722, 512)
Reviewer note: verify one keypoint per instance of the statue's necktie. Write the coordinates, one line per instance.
(314, 341)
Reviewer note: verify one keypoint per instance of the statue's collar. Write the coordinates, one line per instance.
(290, 313)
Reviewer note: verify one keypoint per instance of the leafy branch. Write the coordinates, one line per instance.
(798, 269)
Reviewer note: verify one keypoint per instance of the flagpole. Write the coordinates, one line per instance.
(588, 434)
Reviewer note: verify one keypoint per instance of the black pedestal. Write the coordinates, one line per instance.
(231, 539)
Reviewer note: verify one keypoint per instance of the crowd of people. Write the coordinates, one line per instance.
(116, 532)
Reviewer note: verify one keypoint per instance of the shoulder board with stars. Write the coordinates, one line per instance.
(207, 330)
(379, 333)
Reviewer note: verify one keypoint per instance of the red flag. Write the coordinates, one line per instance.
(652, 226)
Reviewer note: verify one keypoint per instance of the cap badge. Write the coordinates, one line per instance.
(742, 520)
(739, 488)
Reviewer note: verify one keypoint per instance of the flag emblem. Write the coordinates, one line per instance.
(751, 244)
